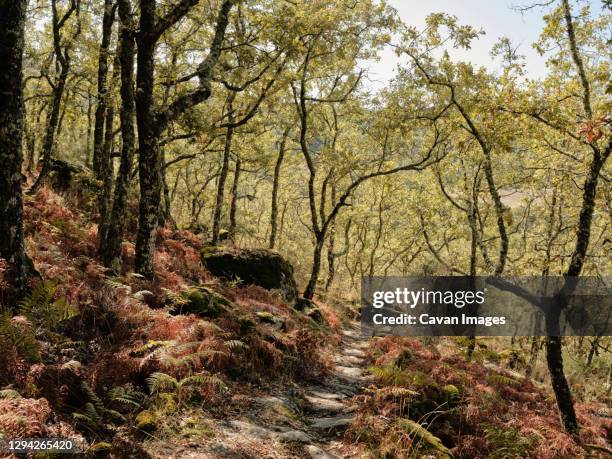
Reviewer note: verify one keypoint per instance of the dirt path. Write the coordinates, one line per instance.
(288, 425)
(304, 423)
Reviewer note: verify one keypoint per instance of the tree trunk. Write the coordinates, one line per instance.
(275, 188)
(12, 24)
(152, 122)
(52, 122)
(106, 166)
(63, 61)
(316, 268)
(221, 183)
(563, 394)
(103, 90)
(148, 144)
(110, 247)
(234, 201)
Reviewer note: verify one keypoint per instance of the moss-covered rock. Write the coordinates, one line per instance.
(201, 301)
(100, 449)
(316, 315)
(451, 394)
(75, 179)
(265, 268)
(146, 421)
(268, 318)
(246, 324)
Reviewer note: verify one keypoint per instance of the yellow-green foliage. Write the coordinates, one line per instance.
(422, 439)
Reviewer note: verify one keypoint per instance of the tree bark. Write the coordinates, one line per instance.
(316, 268)
(554, 357)
(63, 60)
(106, 162)
(152, 122)
(275, 188)
(110, 247)
(103, 90)
(234, 201)
(227, 149)
(12, 24)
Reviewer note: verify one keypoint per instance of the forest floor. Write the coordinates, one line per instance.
(304, 421)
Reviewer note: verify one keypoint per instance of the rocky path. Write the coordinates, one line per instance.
(281, 426)
(330, 410)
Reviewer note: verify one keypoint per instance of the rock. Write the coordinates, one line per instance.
(252, 429)
(333, 424)
(353, 352)
(146, 421)
(282, 406)
(246, 324)
(317, 453)
(296, 436)
(324, 404)
(315, 314)
(304, 304)
(75, 179)
(451, 394)
(203, 302)
(260, 267)
(100, 449)
(326, 395)
(349, 372)
(268, 318)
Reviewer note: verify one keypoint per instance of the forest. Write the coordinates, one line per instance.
(191, 192)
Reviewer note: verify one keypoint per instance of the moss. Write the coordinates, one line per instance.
(146, 421)
(203, 302)
(100, 448)
(246, 324)
(316, 315)
(451, 394)
(267, 317)
(260, 267)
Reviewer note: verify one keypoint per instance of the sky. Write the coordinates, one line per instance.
(496, 17)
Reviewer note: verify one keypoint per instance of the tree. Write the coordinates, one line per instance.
(110, 245)
(62, 49)
(153, 121)
(12, 24)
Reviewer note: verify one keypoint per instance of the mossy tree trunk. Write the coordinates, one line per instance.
(110, 246)
(63, 60)
(102, 96)
(12, 23)
(152, 121)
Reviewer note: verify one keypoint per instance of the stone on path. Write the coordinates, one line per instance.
(349, 372)
(324, 404)
(332, 423)
(296, 436)
(317, 453)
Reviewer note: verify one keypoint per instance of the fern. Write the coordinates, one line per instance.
(41, 309)
(127, 397)
(20, 336)
(9, 393)
(421, 435)
(501, 380)
(116, 284)
(390, 374)
(159, 382)
(235, 344)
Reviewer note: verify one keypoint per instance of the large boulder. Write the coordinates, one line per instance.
(65, 176)
(265, 268)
